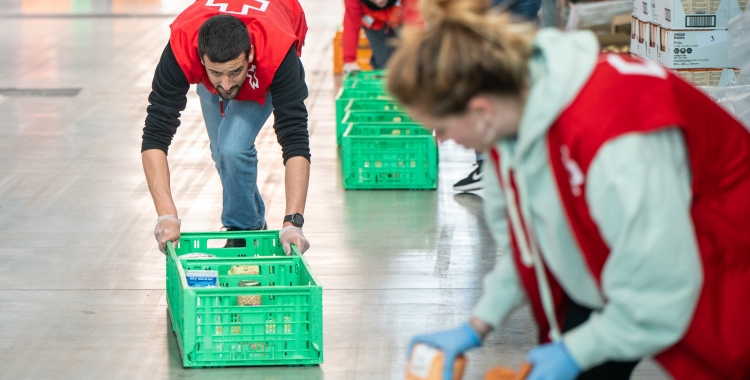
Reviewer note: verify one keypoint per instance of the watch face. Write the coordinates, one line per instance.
(298, 220)
(295, 219)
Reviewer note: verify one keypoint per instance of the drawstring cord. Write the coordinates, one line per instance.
(221, 106)
(530, 253)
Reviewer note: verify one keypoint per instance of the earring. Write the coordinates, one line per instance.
(481, 126)
(490, 134)
(490, 137)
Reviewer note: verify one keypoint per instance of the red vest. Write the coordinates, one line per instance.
(391, 17)
(624, 96)
(274, 26)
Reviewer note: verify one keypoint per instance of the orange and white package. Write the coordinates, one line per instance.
(504, 373)
(426, 363)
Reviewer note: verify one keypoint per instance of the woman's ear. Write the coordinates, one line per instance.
(481, 106)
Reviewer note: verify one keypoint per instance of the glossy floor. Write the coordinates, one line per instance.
(81, 282)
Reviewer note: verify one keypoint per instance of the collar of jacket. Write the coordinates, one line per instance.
(561, 63)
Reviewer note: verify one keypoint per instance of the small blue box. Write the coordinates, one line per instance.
(202, 278)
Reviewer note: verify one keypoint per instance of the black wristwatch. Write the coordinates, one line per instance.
(297, 219)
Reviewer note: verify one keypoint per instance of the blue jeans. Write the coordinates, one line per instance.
(527, 9)
(380, 45)
(232, 139)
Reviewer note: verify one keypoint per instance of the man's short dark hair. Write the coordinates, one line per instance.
(222, 38)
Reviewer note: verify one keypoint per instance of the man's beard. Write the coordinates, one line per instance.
(228, 95)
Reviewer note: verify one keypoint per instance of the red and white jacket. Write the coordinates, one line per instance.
(624, 100)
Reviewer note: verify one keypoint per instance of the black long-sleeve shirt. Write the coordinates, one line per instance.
(288, 91)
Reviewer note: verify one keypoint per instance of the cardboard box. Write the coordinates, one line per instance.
(694, 49)
(695, 14)
(643, 39)
(637, 40)
(708, 77)
(634, 36)
(701, 77)
(652, 45)
(643, 9)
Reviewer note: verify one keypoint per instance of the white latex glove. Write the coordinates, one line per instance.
(351, 66)
(167, 229)
(293, 235)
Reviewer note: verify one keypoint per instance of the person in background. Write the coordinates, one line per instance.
(380, 19)
(525, 10)
(246, 64)
(626, 231)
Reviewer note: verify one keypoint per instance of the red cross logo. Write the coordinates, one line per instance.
(238, 7)
(576, 178)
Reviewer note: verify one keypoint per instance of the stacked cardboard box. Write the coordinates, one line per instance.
(688, 36)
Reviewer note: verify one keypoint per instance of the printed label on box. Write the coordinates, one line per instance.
(711, 38)
(695, 14)
(681, 50)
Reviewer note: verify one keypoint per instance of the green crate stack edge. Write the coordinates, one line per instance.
(407, 160)
(360, 86)
(286, 329)
(389, 156)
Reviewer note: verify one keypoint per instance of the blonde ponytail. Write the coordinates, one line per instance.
(464, 50)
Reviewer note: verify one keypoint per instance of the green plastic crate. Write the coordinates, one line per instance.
(345, 94)
(344, 97)
(354, 76)
(362, 117)
(389, 156)
(366, 85)
(213, 331)
(374, 105)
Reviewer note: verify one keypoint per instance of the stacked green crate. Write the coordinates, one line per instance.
(357, 76)
(217, 327)
(381, 147)
(347, 96)
(389, 156)
(389, 106)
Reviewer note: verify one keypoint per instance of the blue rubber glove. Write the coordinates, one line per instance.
(552, 361)
(452, 342)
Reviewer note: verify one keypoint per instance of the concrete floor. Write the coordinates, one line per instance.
(81, 281)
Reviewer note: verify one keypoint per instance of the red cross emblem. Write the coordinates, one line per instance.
(238, 7)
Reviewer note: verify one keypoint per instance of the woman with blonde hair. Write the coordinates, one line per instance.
(619, 194)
